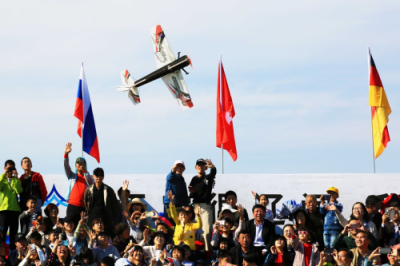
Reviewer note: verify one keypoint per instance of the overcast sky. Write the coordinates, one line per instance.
(297, 71)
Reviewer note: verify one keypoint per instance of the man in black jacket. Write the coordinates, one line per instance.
(101, 202)
(373, 204)
(262, 231)
(389, 230)
(200, 189)
(245, 245)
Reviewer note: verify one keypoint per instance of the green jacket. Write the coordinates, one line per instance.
(8, 193)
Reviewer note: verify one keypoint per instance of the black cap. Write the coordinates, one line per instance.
(103, 233)
(161, 233)
(201, 161)
(68, 219)
(19, 237)
(56, 231)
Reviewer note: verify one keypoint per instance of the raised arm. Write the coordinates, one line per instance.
(199, 223)
(67, 168)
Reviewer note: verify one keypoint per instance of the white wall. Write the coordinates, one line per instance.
(352, 187)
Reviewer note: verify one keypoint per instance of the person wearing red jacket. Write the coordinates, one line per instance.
(32, 184)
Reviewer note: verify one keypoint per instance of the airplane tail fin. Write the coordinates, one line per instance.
(129, 82)
(133, 95)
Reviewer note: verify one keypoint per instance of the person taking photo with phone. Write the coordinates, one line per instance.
(389, 230)
(347, 238)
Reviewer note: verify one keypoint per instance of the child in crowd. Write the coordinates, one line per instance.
(29, 216)
(251, 258)
(223, 245)
(187, 260)
(81, 235)
(306, 251)
(135, 224)
(263, 200)
(223, 231)
(185, 228)
(332, 226)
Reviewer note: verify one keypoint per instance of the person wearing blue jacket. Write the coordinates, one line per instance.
(332, 227)
(176, 183)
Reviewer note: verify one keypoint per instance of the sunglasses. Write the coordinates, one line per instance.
(136, 218)
(302, 232)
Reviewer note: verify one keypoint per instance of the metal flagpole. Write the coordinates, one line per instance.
(221, 101)
(373, 149)
(222, 148)
(83, 97)
(372, 125)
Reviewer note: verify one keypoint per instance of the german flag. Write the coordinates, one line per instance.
(380, 109)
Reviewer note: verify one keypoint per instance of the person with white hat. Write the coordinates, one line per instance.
(176, 183)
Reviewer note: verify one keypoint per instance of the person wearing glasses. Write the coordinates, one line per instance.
(360, 213)
(305, 247)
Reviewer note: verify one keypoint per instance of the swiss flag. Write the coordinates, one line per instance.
(225, 114)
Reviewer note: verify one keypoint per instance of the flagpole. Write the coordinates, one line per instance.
(373, 150)
(372, 125)
(83, 96)
(221, 101)
(222, 149)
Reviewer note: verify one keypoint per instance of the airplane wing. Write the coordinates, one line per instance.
(162, 50)
(177, 86)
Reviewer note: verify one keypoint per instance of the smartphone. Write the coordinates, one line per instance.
(149, 214)
(64, 243)
(385, 251)
(329, 251)
(32, 246)
(391, 214)
(327, 198)
(221, 222)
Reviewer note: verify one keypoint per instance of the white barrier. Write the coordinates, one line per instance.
(352, 187)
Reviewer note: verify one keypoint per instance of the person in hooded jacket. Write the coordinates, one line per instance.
(78, 182)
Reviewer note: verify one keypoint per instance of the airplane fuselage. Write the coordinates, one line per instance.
(178, 64)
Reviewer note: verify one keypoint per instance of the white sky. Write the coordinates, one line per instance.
(297, 72)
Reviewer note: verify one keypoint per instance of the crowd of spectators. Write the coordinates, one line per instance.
(105, 228)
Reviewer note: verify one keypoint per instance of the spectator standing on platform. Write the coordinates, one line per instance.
(316, 223)
(101, 202)
(10, 187)
(200, 189)
(332, 226)
(33, 185)
(78, 182)
(176, 183)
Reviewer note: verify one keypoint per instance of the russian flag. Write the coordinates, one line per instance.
(84, 113)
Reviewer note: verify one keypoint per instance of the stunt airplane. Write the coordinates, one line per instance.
(169, 70)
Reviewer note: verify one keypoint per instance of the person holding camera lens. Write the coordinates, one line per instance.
(10, 187)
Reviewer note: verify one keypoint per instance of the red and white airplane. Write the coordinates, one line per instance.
(169, 70)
